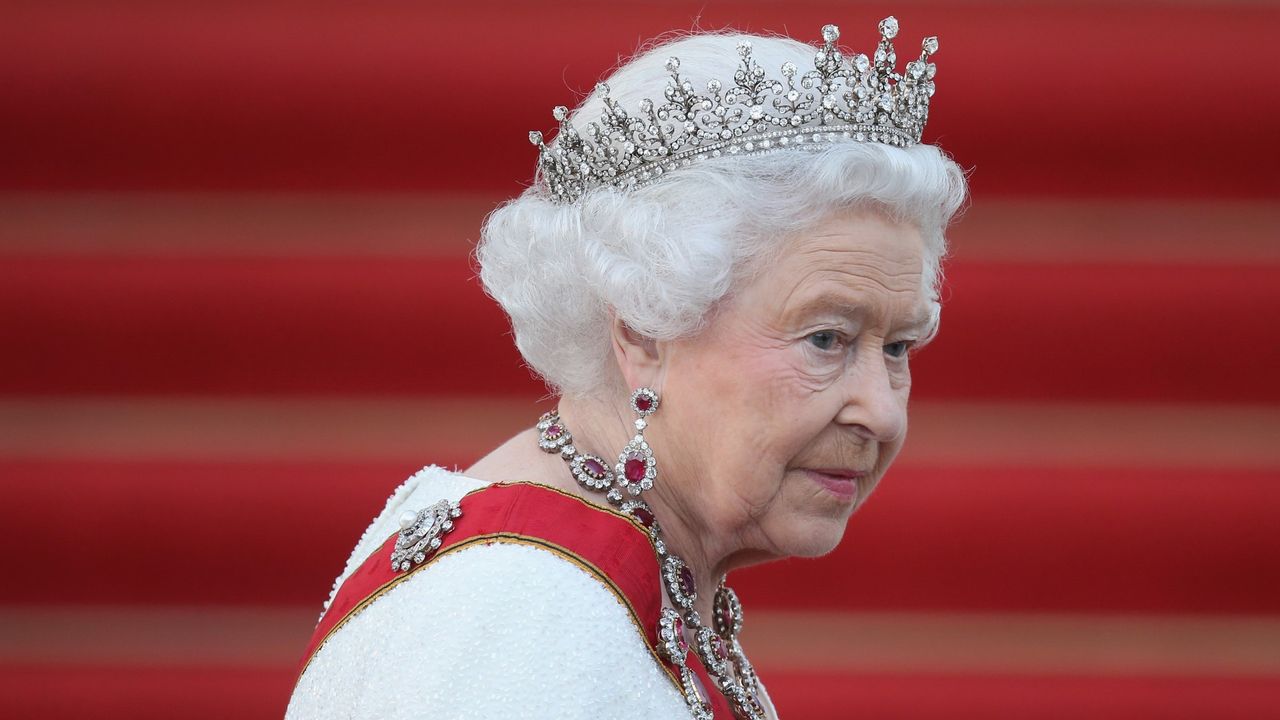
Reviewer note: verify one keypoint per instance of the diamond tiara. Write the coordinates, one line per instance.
(840, 98)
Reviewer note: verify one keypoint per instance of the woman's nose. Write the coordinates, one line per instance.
(873, 407)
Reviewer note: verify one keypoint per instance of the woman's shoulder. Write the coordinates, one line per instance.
(503, 602)
(438, 512)
(429, 485)
(496, 631)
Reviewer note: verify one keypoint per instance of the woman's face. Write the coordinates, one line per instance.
(789, 407)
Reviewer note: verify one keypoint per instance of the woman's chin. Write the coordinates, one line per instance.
(817, 537)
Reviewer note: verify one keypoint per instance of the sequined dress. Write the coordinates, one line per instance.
(537, 605)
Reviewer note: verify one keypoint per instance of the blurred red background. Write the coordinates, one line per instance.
(237, 309)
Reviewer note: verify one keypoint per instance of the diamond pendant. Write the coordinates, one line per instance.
(636, 469)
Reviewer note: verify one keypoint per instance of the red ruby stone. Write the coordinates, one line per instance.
(678, 628)
(644, 403)
(554, 431)
(644, 516)
(717, 647)
(686, 581)
(726, 617)
(634, 468)
(594, 467)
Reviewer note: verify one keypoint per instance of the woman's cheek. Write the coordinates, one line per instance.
(787, 373)
(813, 370)
(900, 377)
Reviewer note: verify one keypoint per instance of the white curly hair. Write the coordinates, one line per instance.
(661, 256)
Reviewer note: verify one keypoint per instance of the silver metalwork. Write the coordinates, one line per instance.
(717, 648)
(841, 98)
(421, 533)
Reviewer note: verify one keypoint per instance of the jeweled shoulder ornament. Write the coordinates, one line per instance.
(854, 98)
(421, 533)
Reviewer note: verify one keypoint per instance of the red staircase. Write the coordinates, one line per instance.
(237, 309)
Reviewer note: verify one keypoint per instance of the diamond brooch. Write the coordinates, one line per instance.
(421, 533)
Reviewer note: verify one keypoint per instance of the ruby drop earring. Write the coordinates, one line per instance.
(636, 470)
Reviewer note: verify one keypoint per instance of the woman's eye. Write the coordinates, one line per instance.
(823, 339)
(897, 349)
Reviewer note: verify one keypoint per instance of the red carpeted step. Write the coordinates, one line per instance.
(1038, 98)
(396, 325)
(1047, 539)
(1093, 330)
(57, 692)
(193, 533)
(139, 693)
(252, 325)
(1020, 539)
(423, 326)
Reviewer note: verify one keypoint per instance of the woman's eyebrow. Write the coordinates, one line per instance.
(858, 310)
(922, 318)
(830, 302)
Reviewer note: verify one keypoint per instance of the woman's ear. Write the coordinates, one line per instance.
(639, 357)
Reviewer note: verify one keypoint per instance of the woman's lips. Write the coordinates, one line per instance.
(841, 483)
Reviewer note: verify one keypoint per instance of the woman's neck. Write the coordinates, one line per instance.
(603, 428)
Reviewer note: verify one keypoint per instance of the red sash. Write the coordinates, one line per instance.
(612, 547)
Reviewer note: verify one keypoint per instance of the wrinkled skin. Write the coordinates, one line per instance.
(800, 380)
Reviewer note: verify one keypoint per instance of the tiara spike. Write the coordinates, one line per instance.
(889, 28)
(856, 98)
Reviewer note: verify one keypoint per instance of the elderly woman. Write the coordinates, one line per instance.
(729, 256)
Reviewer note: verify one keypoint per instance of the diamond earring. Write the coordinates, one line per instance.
(636, 469)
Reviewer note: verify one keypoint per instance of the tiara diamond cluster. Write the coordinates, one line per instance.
(858, 98)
